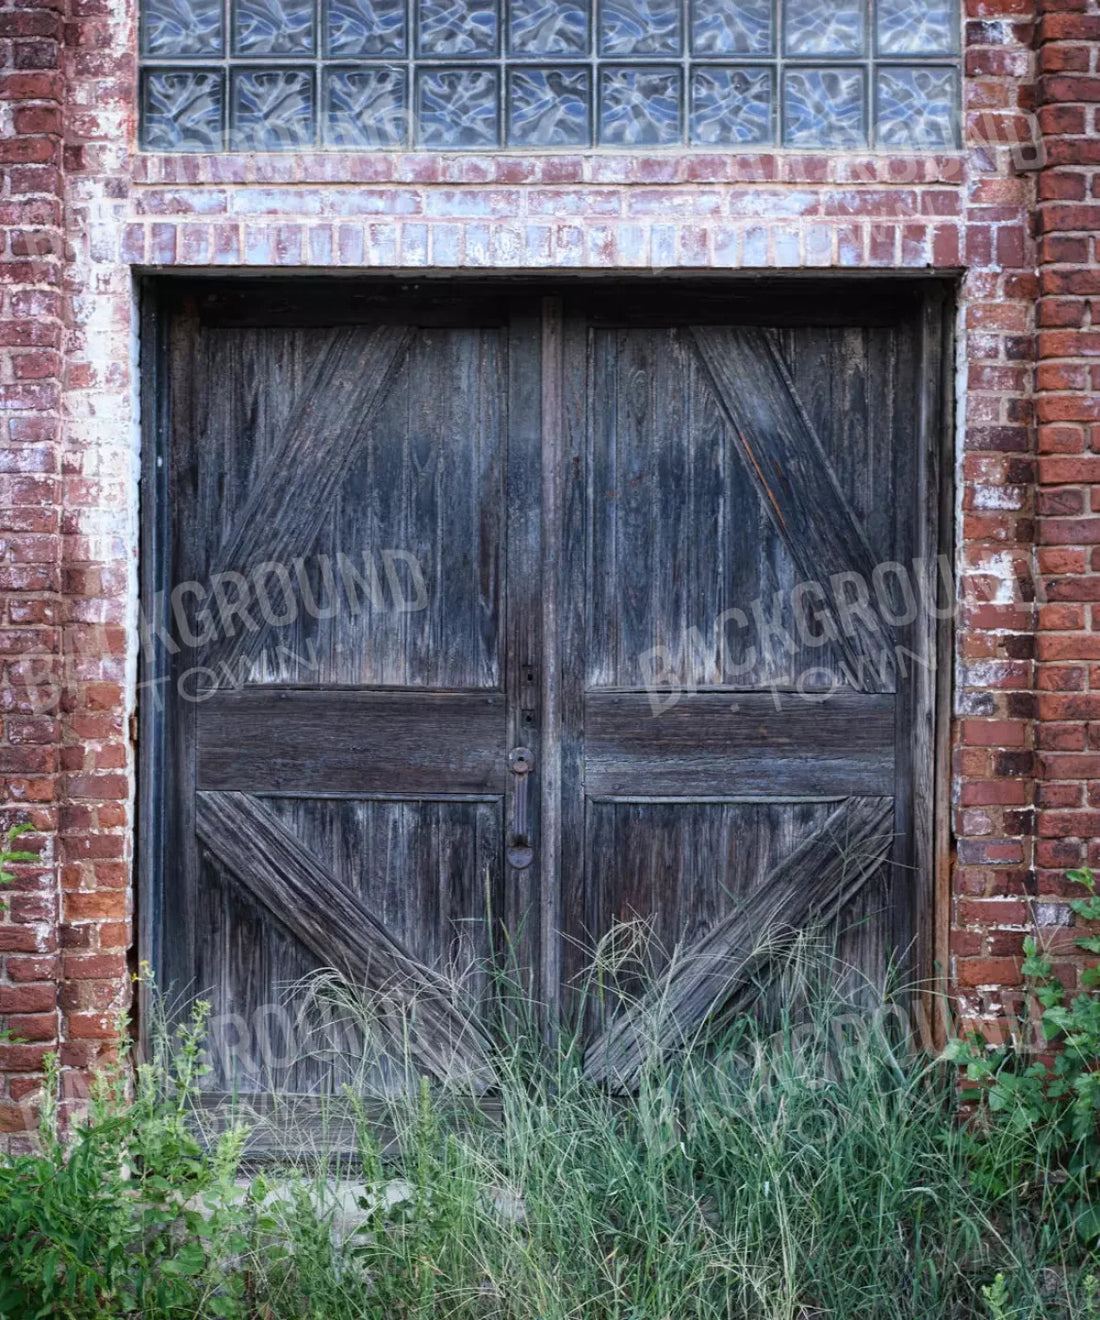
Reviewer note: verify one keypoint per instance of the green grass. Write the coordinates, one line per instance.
(807, 1164)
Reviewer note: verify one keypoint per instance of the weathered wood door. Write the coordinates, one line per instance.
(484, 623)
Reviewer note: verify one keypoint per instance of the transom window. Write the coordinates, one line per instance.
(473, 75)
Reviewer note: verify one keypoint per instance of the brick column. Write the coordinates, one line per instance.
(31, 315)
(995, 702)
(99, 560)
(1068, 416)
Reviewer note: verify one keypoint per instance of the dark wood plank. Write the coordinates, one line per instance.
(152, 750)
(720, 299)
(930, 714)
(712, 744)
(668, 870)
(717, 974)
(411, 1000)
(188, 530)
(904, 914)
(328, 740)
(799, 489)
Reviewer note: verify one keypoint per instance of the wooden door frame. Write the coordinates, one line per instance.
(307, 298)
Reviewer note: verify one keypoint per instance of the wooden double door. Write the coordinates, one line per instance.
(486, 624)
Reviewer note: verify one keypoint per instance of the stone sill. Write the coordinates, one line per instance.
(593, 167)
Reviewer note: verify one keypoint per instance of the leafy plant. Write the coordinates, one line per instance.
(9, 855)
(1036, 1131)
(996, 1297)
(130, 1215)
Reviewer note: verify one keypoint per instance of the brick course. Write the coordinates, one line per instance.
(1014, 216)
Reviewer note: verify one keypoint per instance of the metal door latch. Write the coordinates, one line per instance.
(520, 854)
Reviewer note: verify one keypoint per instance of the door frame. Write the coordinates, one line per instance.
(307, 297)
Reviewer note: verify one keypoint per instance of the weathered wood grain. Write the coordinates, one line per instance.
(329, 920)
(712, 744)
(824, 873)
(430, 871)
(326, 740)
(402, 584)
(799, 489)
(293, 491)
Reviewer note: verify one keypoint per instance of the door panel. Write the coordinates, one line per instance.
(734, 710)
(419, 867)
(702, 965)
(498, 625)
(680, 869)
(680, 533)
(340, 711)
(411, 494)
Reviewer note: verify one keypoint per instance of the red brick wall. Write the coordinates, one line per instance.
(994, 702)
(1068, 443)
(31, 332)
(99, 467)
(1026, 695)
(1027, 768)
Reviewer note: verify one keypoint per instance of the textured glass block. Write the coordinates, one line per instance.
(271, 109)
(640, 107)
(823, 27)
(364, 28)
(915, 27)
(548, 27)
(916, 108)
(824, 108)
(732, 27)
(457, 108)
(457, 28)
(548, 108)
(183, 110)
(731, 106)
(172, 28)
(273, 27)
(365, 107)
(639, 27)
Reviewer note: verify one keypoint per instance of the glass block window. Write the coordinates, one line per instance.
(453, 75)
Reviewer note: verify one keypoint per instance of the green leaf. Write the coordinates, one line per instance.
(189, 1260)
(956, 1050)
(1087, 1223)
